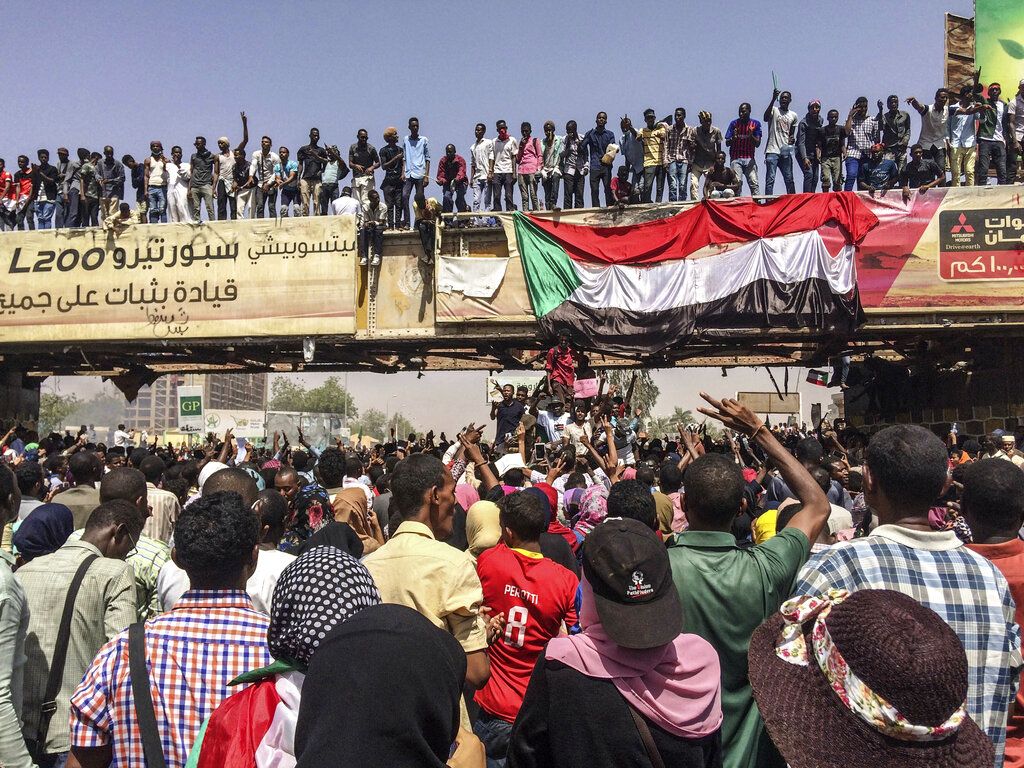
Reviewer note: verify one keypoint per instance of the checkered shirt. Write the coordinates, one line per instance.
(863, 133)
(680, 141)
(193, 651)
(965, 589)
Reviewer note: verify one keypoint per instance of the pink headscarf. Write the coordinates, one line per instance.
(629, 473)
(593, 509)
(677, 686)
(466, 495)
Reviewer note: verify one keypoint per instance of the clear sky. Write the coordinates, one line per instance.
(123, 73)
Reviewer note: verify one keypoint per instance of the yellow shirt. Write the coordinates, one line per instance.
(652, 139)
(764, 525)
(439, 581)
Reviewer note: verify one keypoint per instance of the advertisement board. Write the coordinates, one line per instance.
(173, 282)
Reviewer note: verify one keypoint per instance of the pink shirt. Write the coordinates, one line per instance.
(531, 156)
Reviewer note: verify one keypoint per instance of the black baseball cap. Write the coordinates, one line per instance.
(629, 572)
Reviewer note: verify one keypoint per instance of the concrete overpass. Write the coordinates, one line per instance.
(398, 318)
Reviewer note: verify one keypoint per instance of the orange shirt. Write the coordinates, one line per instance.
(1009, 559)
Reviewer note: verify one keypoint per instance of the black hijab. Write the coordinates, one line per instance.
(357, 712)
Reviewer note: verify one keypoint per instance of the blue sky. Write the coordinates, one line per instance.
(172, 70)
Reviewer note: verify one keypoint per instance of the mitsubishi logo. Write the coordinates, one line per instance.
(963, 226)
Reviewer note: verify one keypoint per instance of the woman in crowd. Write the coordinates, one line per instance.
(830, 699)
(631, 689)
(383, 690)
(43, 532)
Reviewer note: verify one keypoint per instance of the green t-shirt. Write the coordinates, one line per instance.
(727, 592)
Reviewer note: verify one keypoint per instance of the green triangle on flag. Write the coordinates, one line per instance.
(551, 276)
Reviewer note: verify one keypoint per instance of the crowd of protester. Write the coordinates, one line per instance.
(963, 135)
(569, 591)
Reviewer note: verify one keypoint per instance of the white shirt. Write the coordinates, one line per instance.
(122, 439)
(554, 428)
(933, 127)
(480, 154)
(505, 155)
(962, 130)
(262, 166)
(779, 130)
(173, 582)
(1017, 117)
(344, 205)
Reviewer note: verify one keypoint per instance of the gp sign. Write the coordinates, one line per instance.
(190, 409)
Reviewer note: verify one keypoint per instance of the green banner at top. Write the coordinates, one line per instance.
(999, 43)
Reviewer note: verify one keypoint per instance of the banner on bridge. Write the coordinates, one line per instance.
(260, 277)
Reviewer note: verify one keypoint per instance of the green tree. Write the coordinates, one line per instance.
(329, 397)
(645, 392)
(106, 409)
(403, 427)
(669, 425)
(373, 424)
(54, 411)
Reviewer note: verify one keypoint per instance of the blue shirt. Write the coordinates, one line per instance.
(289, 167)
(877, 175)
(632, 151)
(597, 143)
(417, 155)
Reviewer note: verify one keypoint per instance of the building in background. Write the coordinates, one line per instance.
(155, 409)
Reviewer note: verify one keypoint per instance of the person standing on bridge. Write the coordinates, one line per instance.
(110, 171)
(416, 155)
(155, 180)
(201, 180)
(223, 173)
(312, 158)
(178, 173)
(363, 160)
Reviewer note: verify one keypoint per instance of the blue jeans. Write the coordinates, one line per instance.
(852, 172)
(157, 204)
(784, 162)
(678, 181)
(747, 167)
(61, 213)
(494, 733)
(44, 214)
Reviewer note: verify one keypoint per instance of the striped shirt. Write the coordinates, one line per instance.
(166, 508)
(193, 652)
(965, 589)
(742, 135)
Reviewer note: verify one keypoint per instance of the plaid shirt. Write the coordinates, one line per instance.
(863, 133)
(679, 144)
(965, 589)
(193, 652)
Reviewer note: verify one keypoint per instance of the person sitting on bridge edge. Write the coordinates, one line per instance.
(428, 213)
(920, 174)
(722, 181)
(559, 363)
(371, 233)
(877, 173)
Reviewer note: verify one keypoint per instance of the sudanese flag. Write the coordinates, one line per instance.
(715, 269)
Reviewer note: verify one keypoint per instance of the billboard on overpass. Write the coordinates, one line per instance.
(174, 282)
(771, 402)
(999, 43)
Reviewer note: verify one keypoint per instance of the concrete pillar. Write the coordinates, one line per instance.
(19, 397)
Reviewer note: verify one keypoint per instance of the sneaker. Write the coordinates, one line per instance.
(362, 261)
(375, 261)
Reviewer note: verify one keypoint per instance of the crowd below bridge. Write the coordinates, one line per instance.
(964, 135)
(568, 590)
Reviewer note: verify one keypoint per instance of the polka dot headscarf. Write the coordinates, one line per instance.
(316, 593)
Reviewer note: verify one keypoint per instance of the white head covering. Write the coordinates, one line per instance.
(208, 470)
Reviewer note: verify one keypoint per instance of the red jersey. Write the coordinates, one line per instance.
(536, 595)
(560, 365)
